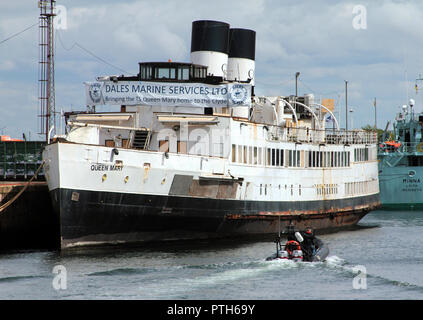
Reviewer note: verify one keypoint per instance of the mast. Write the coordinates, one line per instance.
(46, 91)
(346, 105)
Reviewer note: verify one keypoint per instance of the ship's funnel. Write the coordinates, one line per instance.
(242, 51)
(210, 46)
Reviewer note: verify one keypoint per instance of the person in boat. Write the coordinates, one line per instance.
(290, 233)
(309, 244)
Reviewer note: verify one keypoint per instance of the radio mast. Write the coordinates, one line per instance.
(46, 93)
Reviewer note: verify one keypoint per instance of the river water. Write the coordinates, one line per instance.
(381, 259)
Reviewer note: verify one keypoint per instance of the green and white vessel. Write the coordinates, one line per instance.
(401, 162)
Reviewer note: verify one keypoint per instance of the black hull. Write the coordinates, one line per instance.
(94, 218)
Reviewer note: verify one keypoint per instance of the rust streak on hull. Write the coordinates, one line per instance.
(322, 221)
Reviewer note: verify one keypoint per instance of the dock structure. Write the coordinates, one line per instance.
(28, 222)
(20, 159)
(26, 214)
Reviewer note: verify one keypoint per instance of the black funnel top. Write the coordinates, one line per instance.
(210, 35)
(242, 43)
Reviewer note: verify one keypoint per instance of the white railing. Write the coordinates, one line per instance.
(328, 136)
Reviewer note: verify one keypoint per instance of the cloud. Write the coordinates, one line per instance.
(316, 38)
(6, 65)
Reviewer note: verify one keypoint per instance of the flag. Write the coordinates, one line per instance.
(374, 103)
(329, 118)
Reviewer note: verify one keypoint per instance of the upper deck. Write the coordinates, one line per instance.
(182, 108)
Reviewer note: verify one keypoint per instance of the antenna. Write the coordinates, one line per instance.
(46, 92)
(418, 79)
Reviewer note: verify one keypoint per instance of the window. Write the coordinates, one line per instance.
(162, 73)
(183, 73)
(146, 72)
(239, 160)
(298, 164)
(268, 154)
(361, 154)
(278, 153)
(233, 153)
(250, 155)
(260, 156)
(199, 72)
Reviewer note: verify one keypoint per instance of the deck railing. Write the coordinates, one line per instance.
(327, 136)
(403, 148)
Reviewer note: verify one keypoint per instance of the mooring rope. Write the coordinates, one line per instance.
(8, 203)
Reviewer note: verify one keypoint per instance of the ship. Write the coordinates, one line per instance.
(401, 161)
(193, 153)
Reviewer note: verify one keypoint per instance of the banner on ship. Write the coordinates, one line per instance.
(162, 94)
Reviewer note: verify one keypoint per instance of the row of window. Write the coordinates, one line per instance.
(361, 187)
(264, 187)
(351, 188)
(289, 158)
(326, 189)
(171, 71)
(361, 154)
(328, 159)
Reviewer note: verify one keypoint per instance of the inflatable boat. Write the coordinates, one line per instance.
(296, 248)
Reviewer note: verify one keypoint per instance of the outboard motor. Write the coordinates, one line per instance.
(283, 254)
(297, 255)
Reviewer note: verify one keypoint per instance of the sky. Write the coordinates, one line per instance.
(374, 45)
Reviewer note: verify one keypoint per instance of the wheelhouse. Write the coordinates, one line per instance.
(172, 71)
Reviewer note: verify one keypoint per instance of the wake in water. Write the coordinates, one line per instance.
(335, 262)
(272, 279)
